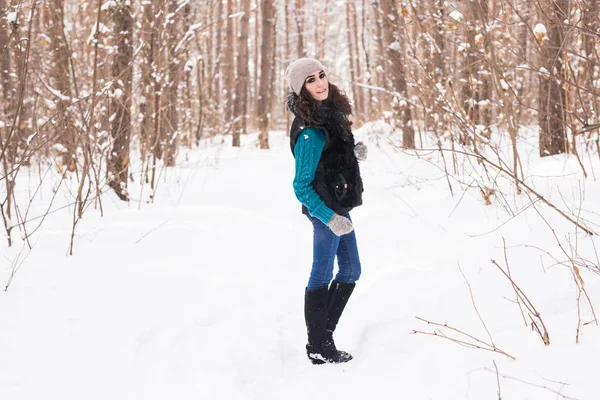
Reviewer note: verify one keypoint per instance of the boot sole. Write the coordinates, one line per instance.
(317, 359)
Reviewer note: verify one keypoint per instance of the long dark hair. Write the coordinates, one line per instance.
(311, 111)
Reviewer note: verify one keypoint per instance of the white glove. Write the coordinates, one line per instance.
(340, 225)
(360, 151)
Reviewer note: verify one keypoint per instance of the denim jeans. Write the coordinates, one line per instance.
(326, 245)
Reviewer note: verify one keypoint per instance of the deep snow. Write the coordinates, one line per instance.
(199, 295)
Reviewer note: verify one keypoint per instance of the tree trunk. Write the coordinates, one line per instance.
(286, 57)
(381, 67)
(122, 71)
(591, 25)
(470, 64)
(147, 133)
(241, 88)
(228, 65)
(395, 60)
(484, 73)
(552, 97)
(60, 82)
(321, 30)
(256, 55)
(266, 73)
(524, 10)
(219, 54)
(368, 68)
(171, 122)
(299, 14)
(4, 67)
(358, 100)
(349, 38)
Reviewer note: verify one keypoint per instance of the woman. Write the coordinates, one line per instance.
(328, 184)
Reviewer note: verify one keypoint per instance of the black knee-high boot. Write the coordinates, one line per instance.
(339, 293)
(320, 348)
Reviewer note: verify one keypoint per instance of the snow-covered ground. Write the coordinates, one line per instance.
(199, 295)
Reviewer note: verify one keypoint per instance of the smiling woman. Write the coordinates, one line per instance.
(328, 184)
(317, 85)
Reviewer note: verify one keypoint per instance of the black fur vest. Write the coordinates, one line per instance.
(337, 178)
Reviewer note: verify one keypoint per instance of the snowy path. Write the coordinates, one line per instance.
(200, 295)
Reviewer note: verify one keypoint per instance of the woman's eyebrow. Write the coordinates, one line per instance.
(312, 76)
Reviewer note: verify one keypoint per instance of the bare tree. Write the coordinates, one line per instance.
(552, 97)
(228, 63)
(353, 58)
(393, 31)
(175, 67)
(591, 26)
(240, 107)
(266, 72)
(4, 63)
(122, 72)
(299, 16)
(218, 52)
(60, 73)
(148, 39)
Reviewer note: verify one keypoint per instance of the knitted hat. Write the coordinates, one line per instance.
(299, 70)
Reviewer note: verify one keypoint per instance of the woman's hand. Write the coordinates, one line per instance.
(340, 225)
(360, 151)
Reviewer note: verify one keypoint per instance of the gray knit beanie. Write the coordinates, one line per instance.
(297, 72)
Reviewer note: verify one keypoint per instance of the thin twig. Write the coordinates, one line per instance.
(475, 306)
(481, 346)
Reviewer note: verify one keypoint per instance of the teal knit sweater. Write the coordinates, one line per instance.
(307, 151)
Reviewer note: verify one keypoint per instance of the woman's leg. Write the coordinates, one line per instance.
(316, 297)
(344, 283)
(325, 247)
(348, 259)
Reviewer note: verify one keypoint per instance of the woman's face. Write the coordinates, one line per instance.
(317, 85)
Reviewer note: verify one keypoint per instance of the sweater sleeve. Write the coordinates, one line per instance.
(307, 151)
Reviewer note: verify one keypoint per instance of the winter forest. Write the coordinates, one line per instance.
(145, 170)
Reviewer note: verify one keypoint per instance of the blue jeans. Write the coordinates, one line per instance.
(326, 245)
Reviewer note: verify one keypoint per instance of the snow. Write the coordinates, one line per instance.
(103, 29)
(540, 29)
(58, 94)
(199, 294)
(395, 46)
(463, 47)
(109, 5)
(456, 15)
(182, 5)
(11, 17)
(60, 148)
